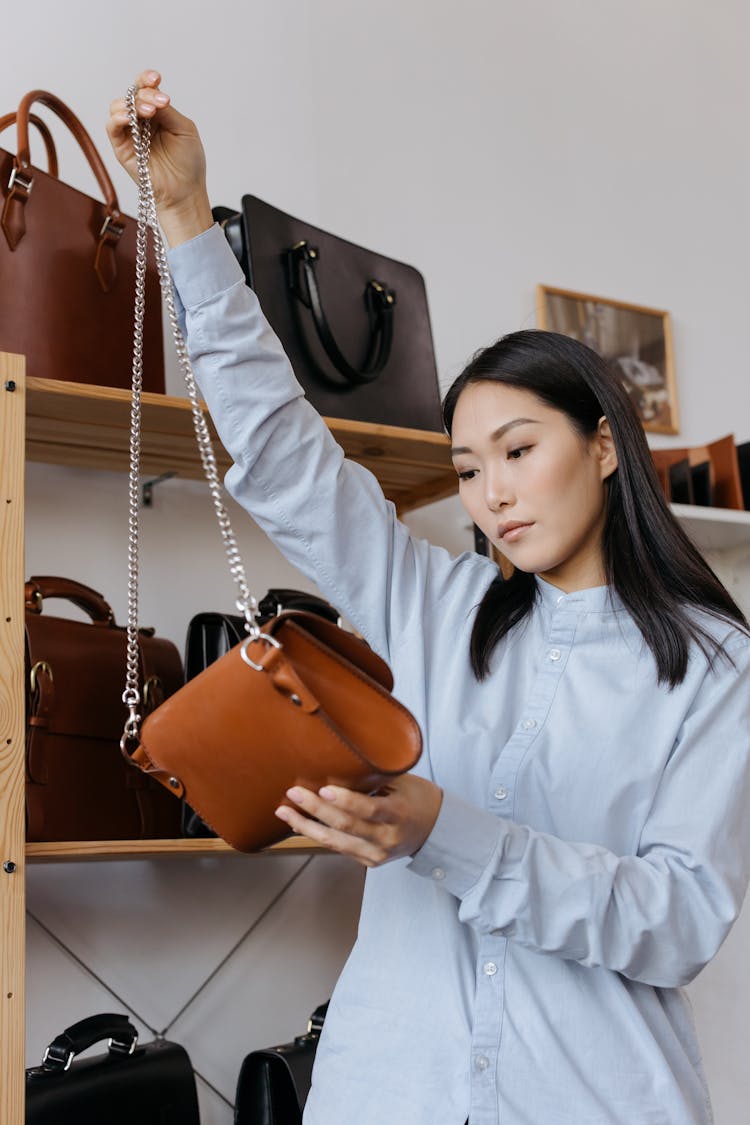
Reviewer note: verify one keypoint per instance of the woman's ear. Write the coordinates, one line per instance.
(606, 451)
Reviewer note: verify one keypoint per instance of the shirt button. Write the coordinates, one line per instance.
(437, 873)
(490, 969)
(554, 654)
(501, 793)
(481, 1062)
(528, 724)
(560, 600)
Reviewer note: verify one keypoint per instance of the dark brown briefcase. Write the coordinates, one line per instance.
(79, 786)
(355, 324)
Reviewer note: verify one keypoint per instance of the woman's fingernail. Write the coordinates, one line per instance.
(161, 99)
(282, 813)
(295, 794)
(327, 793)
(153, 76)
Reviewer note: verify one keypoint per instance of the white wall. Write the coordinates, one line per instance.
(592, 145)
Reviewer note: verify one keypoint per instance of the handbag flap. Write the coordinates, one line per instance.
(87, 665)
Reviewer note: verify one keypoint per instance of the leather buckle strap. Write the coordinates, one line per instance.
(13, 219)
(105, 262)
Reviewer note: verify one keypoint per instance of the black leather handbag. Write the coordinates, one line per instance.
(355, 324)
(210, 635)
(274, 1081)
(129, 1085)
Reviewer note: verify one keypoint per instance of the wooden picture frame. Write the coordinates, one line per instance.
(637, 340)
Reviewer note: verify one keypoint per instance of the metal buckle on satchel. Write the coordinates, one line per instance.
(57, 1058)
(40, 666)
(261, 637)
(123, 1047)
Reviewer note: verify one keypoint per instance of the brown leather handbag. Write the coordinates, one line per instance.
(77, 785)
(300, 701)
(67, 266)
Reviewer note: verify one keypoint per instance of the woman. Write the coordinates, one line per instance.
(573, 846)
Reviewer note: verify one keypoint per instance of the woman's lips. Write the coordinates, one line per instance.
(509, 532)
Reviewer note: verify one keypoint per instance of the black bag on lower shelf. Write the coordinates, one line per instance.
(130, 1085)
(210, 635)
(274, 1081)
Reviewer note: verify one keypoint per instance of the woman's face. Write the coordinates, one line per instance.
(532, 483)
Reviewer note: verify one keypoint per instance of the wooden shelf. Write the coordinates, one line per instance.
(89, 427)
(73, 851)
(714, 529)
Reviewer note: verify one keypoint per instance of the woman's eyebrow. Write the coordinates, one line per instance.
(495, 436)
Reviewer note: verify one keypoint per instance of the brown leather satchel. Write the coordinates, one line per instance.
(300, 701)
(77, 785)
(67, 266)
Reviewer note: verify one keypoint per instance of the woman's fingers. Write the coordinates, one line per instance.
(363, 850)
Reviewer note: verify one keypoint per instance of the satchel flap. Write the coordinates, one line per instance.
(87, 664)
(348, 645)
(335, 667)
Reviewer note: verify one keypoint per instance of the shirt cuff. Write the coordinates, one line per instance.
(203, 267)
(460, 846)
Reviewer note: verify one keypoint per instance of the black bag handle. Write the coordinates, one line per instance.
(276, 600)
(379, 300)
(118, 1029)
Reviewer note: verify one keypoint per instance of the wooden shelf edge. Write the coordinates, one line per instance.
(86, 426)
(70, 851)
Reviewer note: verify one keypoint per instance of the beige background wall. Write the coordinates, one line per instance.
(592, 145)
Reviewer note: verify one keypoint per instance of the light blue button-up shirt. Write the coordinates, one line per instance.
(593, 845)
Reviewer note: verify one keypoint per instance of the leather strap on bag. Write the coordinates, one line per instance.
(117, 1029)
(379, 300)
(90, 601)
(10, 119)
(21, 183)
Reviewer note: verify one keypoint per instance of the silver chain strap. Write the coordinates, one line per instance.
(246, 603)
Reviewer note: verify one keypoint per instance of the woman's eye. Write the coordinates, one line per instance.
(467, 474)
(515, 454)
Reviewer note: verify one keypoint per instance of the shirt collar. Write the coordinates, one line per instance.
(598, 599)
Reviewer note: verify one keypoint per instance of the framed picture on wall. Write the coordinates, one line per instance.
(637, 340)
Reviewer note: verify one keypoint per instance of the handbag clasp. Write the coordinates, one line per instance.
(261, 637)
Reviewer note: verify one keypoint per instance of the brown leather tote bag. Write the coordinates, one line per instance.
(300, 701)
(67, 267)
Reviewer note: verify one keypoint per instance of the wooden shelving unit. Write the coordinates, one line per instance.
(75, 424)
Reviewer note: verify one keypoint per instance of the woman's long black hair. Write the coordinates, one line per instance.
(648, 558)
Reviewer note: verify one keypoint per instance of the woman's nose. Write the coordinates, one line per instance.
(497, 492)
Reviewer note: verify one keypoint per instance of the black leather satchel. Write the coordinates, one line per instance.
(210, 635)
(355, 324)
(149, 1085)
(274, 1081)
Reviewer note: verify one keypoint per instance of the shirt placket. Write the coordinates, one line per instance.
(489, 1005)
